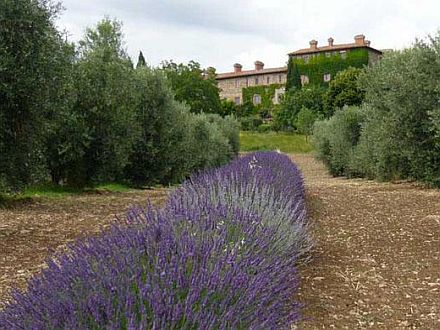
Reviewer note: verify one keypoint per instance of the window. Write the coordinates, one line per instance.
(256, 99)
(278, 93)
(237, 83)
(247, 82)
(304, 80)
(268, 80)
(343, 53)
(328, 54)
(256, 81)
(280, 79)
(327, 77)
(237, 100)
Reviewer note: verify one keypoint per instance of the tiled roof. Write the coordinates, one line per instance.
(250, 73)
(305, 51)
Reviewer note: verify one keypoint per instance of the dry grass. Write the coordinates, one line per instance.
(29, 232)
(377, 258)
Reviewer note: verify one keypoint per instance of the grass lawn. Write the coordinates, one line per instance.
(52, 191)
(285, 142)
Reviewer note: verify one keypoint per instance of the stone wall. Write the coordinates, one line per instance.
(230, 88)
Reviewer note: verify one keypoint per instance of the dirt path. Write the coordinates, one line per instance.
(377, 259)
(29, 232)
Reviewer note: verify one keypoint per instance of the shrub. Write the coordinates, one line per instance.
(403, 91)
(204, 261)
(335, 139)
(230, 129)
(305, 120)
(264, 128)
(343, 90)
(310, 97)
(250, 123)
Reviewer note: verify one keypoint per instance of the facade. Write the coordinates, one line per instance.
(319, 65)
(231, 84)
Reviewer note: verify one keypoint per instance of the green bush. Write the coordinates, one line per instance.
(310, 97)
(250, 123)
(395, 135)
(335, 139)
(230, 128)
(264, 128)
(343, 90)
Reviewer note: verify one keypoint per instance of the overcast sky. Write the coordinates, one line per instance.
(220, 33)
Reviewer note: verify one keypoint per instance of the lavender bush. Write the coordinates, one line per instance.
(198, 263)
(263, 183)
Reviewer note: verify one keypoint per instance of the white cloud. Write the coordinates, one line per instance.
(221, 32)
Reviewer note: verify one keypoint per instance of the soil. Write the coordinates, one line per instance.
(30, 231)
(377, 258)
(376, 263)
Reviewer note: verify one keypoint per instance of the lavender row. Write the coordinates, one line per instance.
(215, 257)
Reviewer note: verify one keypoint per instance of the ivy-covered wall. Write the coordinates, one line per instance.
(267, 94)
(319, 65)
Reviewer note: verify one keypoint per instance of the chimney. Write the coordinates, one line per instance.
(368, 42)
(237, 67)
(330, 41)
(359, 40)
(313, 44)
(259, 65)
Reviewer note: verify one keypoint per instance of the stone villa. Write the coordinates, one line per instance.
(231, 84)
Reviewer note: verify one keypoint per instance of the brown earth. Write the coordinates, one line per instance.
(376, 263)
(29, 232)
(377, 258)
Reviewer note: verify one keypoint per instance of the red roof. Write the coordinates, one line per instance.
(305, 51)
(250, 73)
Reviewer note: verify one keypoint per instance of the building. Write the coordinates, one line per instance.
(319, 65)
(232, 84)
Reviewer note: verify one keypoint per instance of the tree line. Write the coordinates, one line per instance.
(83, 114)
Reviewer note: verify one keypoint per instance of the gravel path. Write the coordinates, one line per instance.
(377, 258)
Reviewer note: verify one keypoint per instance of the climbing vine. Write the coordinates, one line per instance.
(317, 66)
(266, 93)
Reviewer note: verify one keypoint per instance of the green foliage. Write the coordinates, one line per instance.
(317, 66)
(250, 123)
(246, 109)
(88, 117)
(141, 60)
(107, 104)
(335, 139)
(267, 94)
(32, 64)
(343, 90)
(191, 86)
(230, 128)
(285, 142)
(228, 108)
(264, 128)
(305, 120)
(155, 113)
(403, 91)
(293, 75)
(310, 97)
(399, 121)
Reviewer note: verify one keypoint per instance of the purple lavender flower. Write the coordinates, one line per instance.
(218, 256)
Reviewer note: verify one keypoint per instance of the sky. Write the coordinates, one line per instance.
(220, 33)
